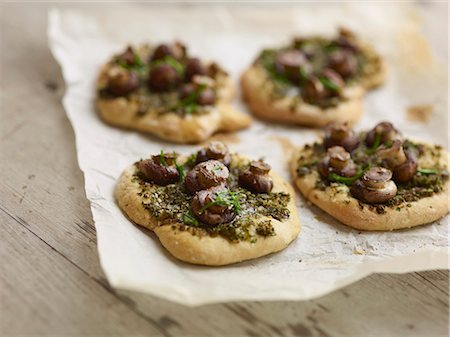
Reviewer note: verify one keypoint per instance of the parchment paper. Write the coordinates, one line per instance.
(326, 255)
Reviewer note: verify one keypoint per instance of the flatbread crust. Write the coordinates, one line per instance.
(195, 128)
(207, 250)
(257, 88)
(337, 201)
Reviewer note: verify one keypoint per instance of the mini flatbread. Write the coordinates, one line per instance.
(421, 200)
(266, 223)
(320, 94)
(127, 98)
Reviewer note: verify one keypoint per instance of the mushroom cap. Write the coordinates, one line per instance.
(156, 172)
(214, 214)
(259, 167)
(393, 155)
(214, 150)
(205, 175)
(373, 195)
(194, 66)
(376, 177)
(256, 178)
(340, 134)
(163, 77)
(122, 81)
(406, 171)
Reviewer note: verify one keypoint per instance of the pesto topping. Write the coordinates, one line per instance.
(172, 203)
(160, 84)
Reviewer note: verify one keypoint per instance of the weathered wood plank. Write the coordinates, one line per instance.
(43, 293)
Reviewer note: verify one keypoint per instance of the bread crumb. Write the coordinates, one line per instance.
(358, 250)
(419, 113)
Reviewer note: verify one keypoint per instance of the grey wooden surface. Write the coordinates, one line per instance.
(51, 283)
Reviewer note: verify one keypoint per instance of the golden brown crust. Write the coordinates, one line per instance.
(337, 201)
(207, 250)
(123, 112)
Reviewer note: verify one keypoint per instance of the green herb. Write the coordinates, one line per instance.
(162, 159)
(329, 84)
(267, 61)
(137, 65)
(189, 219)
(191, 159)
(388, 144)
(346, 180)
(224, 198)
(216, 168)
(303, 73)
(427, 171)
(172, 62)
(376, 144)
(180, 168)
(189, 103)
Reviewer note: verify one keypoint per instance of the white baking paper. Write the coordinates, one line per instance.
(326, 255)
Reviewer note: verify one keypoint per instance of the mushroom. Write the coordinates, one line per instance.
(385, 131)
(403, 164)
(194, 66)
(392, 155)
(122, 81)
(163, 77)
(209, 210)
(256, 178)
(205, 175)
(346, 40)
(338, 161)
(128, 57)
(343, 62)
(375, 186)
(289, 62)
(201, 86)
(316, 89)
(214, 150)
(160, 169)
(339, 134)
(177, 51)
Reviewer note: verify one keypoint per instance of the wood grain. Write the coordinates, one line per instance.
(51, 283)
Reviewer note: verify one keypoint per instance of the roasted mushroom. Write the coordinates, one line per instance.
(338, 161)
(290, 63)
(214, 150)
(256, 178)
(163, 77)
(343, 62)
(177, 51)
(316, 89)
(194, 66)
(160, 169)
(202, 94)
(339, 134)
(382, 133)
(392, 155)
(212, 206)
(346, 40)
(122, 81)
(128, 57)
(403, 164)
(375, 186)
(205, 175)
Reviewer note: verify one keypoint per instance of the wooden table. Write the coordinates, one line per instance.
(51, 283)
